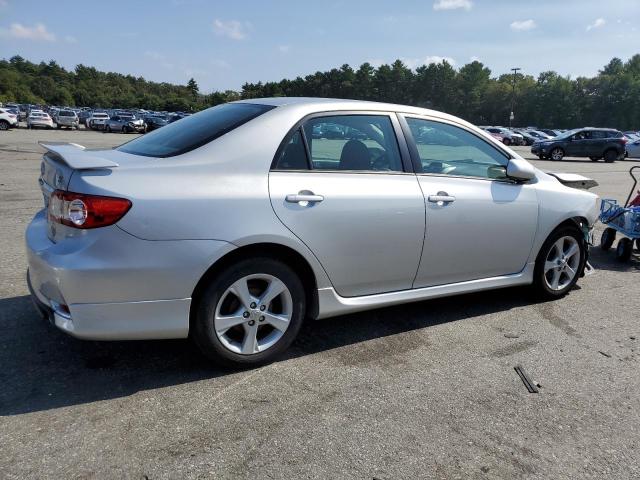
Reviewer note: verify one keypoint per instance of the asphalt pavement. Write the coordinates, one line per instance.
(426, 390)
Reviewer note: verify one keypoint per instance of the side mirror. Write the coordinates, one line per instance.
(520, 169)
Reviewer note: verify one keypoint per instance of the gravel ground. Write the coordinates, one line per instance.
(426, 390)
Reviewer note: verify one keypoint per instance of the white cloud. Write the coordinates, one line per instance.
(21, 32)
(160, 58)
(452, 4)
(222, 64)
(599, 22)
(414, 63)
(154, 55)
(523, 25)
(232, 29)
(473, 58)
(284, 48)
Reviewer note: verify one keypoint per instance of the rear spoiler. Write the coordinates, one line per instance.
(574, 180)
(76, 156)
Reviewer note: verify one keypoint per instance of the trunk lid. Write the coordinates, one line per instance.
(59, 163)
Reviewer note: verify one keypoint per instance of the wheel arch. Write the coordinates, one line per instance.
(285, 254)
(578, 222)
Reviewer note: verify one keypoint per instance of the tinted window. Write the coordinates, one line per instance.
(353, 142)
(446, 149)
(195, 130)
(293, 156)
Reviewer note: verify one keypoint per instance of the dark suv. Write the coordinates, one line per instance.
(595, 143)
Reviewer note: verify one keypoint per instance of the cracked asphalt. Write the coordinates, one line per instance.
(426, 390)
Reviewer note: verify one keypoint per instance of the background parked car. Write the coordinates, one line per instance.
(594, 143)
(97, 121)
(7, 119)
(539, 135)
(67, 118)
(527, 138)
(39, 119)
(124, 123)
(633, 147)
(154, 122)
(548, 131)
(508, 137)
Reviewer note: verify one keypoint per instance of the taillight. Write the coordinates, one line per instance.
(80, 210)
(624, 140)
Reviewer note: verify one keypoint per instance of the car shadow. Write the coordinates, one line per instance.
(602, 260)
(43, 368)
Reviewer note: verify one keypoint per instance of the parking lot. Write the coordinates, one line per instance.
(426, 390)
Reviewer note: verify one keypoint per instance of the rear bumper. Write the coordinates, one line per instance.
(106, 284)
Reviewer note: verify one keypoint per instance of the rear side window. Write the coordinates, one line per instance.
(194, 131)
(353, 143)
(294, 155)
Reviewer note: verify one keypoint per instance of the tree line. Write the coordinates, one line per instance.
(611, 98)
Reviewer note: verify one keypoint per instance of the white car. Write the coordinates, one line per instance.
(7, 119)
(98, 120)
(39, 119)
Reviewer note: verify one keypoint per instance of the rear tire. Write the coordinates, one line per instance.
(219, 302)
(506, 141)
(610, 156)
(4, 125)
(551, 264)
(607, 238)
(623, 250)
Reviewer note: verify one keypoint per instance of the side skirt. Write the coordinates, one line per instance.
(331, 304)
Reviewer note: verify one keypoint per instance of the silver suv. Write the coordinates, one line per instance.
(235, 224)
(67, 118)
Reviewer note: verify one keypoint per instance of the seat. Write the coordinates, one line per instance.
(355, 156)
(293, 158)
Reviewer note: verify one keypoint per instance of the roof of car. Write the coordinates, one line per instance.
(329, 104)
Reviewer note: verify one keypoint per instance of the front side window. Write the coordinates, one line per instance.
(353, 143)
(449, 150)
(194, 131)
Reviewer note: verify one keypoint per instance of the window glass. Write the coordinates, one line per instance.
(353, 142)
(194, 131)
(294, 155)
(598, 134)
(446, 149)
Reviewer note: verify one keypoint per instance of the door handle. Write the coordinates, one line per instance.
(441, 198)
(305, 198)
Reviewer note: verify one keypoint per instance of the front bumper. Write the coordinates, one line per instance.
(106, 284)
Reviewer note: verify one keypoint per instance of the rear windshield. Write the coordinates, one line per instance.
(194, 131)
(66, 114)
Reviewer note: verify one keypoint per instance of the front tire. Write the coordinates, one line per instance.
(249, 313)
(557, 154)
(560, 263)
(4, 125)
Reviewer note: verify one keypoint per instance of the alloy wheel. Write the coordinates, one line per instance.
(253, 314)
(562, 263)
(556, 154)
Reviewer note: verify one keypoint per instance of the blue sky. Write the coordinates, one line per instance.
(222, 44)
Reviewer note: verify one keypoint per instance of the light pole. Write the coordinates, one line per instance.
(513, 94)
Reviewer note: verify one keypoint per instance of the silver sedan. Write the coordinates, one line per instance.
(235, 224)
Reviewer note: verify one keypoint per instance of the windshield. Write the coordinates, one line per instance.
(194, 131)
(566, 134)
